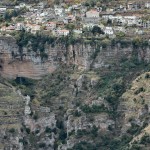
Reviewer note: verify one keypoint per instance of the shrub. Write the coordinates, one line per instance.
(35, 117)
(120, 35)
(21, 129)
(141, 89)
(81, 133)
(48, 130)
(83, 145)
(12, 130)
(24, 141)
(37, 131)
(145, 139)
(97, 30)
(133, 129)
(77, 113)
(94, 131)
(93, 109)
(59, 124)
(28, 130)
(147, 76)
(42, 145)
(62, 135)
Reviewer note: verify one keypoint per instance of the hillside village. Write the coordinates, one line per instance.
(129, 20)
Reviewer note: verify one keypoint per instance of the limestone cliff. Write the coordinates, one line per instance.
(27, 63)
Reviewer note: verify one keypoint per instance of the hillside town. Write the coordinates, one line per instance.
(81, 20)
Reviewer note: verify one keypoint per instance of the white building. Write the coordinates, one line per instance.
(89, 25)
(4, 28)
(147, 4)
(19, 26)
(77, 31)
(137, 31)
(63, 32)
(33, 28)
(21, 5)
(43, 14)
(3, 10)
(70, 18)
(28, 7)
(50, 25)
(68, 9)
(130, 6)
(106, 17)
(41, 5)
(109, 31)
(58, 11)
(131, 20)
(120, 29)
(117, 18)
(92, 14)
(146, 24)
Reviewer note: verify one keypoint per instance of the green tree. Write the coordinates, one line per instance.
(97, 30)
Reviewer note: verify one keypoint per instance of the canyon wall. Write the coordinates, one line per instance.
(83, 55)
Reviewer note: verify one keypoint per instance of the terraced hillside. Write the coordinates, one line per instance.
(136, 107)
(11, 113)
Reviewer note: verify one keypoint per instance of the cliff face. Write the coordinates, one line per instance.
(83, 55)
(12, 66)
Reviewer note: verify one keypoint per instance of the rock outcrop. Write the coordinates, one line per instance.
(29, 64)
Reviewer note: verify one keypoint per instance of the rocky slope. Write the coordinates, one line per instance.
(17, 127)
(78, 109)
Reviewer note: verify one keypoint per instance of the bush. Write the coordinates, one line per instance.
(141, 89)
(37, 131)
(83, 145)
(77, 113)
(147, 76)
(94, 109)
(28, 130)
(35, 117)
(120, 35)
(134, 129)
(81, 133)
(94, 131)
(48, 130)
(12, 130)
(145, 139)
(62, 135)
(59, 124)
(24, 141)
(97, 30)
(42, 145)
